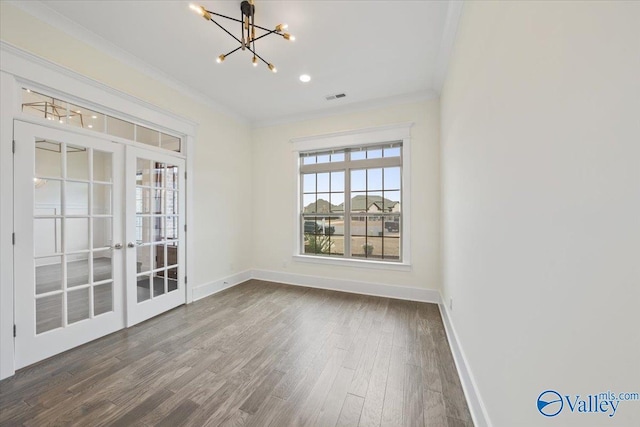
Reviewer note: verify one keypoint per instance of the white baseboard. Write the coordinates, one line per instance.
(351, 286)
(476, 406)
(216, 286)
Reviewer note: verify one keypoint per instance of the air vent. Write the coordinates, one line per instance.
(336, 96)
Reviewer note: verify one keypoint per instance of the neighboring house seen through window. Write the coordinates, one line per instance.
(351, 202)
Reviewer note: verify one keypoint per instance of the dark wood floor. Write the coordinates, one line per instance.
(259, 354)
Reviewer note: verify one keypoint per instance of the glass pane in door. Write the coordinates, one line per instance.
(71, 242)
(157, 234)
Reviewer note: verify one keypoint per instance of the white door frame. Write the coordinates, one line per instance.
(19, 68)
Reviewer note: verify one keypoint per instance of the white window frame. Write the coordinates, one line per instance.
(348, 139)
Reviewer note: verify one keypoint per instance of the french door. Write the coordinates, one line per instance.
(68, 220)
(99, 238)
(155, 206)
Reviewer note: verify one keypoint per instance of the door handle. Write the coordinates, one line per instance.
(117, 246)
(131, 245)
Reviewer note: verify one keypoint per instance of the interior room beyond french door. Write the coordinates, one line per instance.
(155, 204)
(68, 223)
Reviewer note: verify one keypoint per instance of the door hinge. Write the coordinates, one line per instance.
(13, 238)
(185, 228)
(14, 331)
(185, 174)
(185, 280)
(13, 146)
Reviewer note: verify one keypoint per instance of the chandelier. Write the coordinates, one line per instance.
(248, 34)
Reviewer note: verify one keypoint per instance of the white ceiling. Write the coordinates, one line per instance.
(373, 51)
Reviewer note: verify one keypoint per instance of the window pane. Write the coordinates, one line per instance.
(338, 157)
(78, 305)
(309, 160)
(143, 258)
(374, 154)
(323, 182)
(359, 202)
(392, 178)
(143, 172)
(48, 197)
(102, 166)
(77, 198)
(309, 183)
(391, 226)
(172, 202)
(337, 181)
(48, 313)
(172, 279)
(147, 136)
(48, 159)
(102, 233)
(102, 199)
(323, 205)
(392, 152)
(117, 127)
(47, 236)
(171, 177)
(143, 288)
(309, 203)
(391, 248)
(158, 283)
(392, 201)
(85, 118)
(359, 180)
(48, 274)
(374, 179)
(323, 159)
(358, 155)
(102, 298)
(337, 202)
(102, 266)
(76, 236)
(77, 271)
(169, 142)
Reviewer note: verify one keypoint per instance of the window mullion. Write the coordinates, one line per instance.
(347, 211)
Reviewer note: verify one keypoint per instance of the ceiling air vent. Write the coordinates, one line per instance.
(336, 96)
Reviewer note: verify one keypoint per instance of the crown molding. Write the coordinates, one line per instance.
(443, 57)
(355, 107)
(41, 11)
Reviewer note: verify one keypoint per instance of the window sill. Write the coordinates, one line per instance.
(378, 265)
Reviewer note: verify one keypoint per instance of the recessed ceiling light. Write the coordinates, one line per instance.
(90, 126)
(78, 112)
(305, 78)
(94, 117)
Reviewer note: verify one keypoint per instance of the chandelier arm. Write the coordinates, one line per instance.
(237, 20)
(226, 31)
(233, 51)
(266, 34)
(254, 52)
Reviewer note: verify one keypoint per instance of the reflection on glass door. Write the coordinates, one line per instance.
(157, 184)
(67, 263)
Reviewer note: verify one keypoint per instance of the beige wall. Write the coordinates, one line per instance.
(222, 218)
(541, 204)
(274, 183)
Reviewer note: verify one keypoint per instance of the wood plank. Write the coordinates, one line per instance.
(258, 354)
(350, 412)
